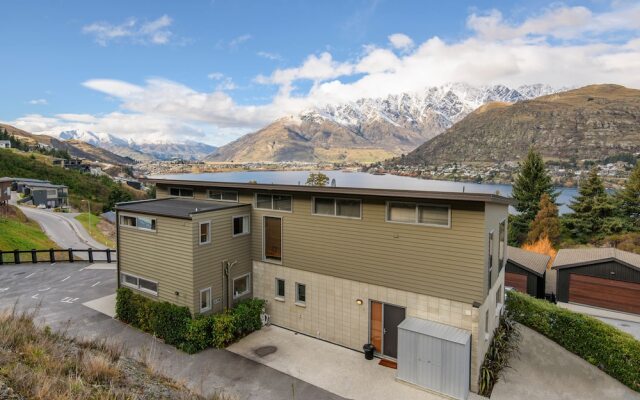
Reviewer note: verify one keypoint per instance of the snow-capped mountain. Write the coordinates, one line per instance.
(143, 151)
(370, 129)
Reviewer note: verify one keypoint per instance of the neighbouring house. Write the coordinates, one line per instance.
(47, 194)
(345, 265)
(5, 144)
(20, 184)
(5, 190)
(526, 271)
(72, 163)
(600, 277)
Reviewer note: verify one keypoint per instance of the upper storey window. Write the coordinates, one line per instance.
(181, 192)
(223, 195)
(278, 202)
(347, 208)
(422, 214)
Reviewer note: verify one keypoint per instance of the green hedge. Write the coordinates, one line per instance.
(615, 352)
(175, 326)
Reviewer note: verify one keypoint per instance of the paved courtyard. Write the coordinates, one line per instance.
(57, 293)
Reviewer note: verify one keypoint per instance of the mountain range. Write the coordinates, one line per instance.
(592, 123)
(369, 129)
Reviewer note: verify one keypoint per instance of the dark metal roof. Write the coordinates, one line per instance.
(534, 262)
(176, 207)
(569, 258)
(400, 193)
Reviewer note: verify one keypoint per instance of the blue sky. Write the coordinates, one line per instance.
(213, 70)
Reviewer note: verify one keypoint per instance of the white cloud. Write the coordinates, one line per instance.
(563, 46)
(401, 41)
(237, 41)
(149, 32)
(38, 102)
(269, 55)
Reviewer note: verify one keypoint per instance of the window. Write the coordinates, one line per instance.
(143, 223)
(181, 192)
(205, 232)
(424, 214)
(205, 300)
(223, 195)
(141, 284)
(490, 258)
(502, 243)
(301, 293)
(278, 202)
(280, 289)
(272, 239)
(240, 225)
(241, 286)
(347, 208)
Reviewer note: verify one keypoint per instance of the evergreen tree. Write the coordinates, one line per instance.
(595, 212)
(117, 195)
(629, 198)
(531, 182)
(546, 223)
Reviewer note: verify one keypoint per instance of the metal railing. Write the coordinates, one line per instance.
(53, 255)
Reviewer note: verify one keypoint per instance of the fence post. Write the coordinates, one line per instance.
(108, 251)
(16, 256)
(52, 256)
(70, 255)
(34, 256)
(90, 251)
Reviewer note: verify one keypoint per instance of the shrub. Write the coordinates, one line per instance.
(613, 351)
(126, 310)
(247, 315)
(224, 329)
(199, 335)
(169, 322)
(502, 346)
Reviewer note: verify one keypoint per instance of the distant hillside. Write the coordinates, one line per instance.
(74, 147)
(370, 129)
(592, 122)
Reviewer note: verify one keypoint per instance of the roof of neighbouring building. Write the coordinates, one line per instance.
(534, 262)
(176, 208)
(358, 191)
(44, 185)
(109, 216)
(568, 258)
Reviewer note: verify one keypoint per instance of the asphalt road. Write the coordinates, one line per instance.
(56, 293)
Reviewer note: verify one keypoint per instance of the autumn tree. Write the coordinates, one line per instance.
(546, 223)
(317, 179)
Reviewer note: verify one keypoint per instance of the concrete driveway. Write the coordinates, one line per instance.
(544, 370)
(57, 293)
(626, 322)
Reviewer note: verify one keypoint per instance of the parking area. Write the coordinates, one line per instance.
(56, 293)
(626, 322)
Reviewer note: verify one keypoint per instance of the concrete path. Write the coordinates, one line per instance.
(57, 294)
(331, 367)
(544, 370)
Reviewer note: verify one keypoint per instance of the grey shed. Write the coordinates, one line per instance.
(434, 356)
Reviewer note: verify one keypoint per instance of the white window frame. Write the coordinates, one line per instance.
(417, 216)
(137, 227)
(209, 191)
(255, 201)
(335, 207)
(138, 287)
(200, 242)
(264, 239)
(248, 230)
(490, 255)
(297, 299)
(237, 278)
(193, 191)
(208, 307)
(277, 295)
(502, 244)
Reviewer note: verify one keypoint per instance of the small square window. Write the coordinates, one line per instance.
(240, 225)
(280, 286)
(205, 300)
(241, 286)
(301, 293)
(205, 232)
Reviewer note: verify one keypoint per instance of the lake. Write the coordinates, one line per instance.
(362, 179)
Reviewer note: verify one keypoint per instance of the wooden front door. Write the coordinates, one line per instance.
(516, 281)
(606, 293)
(385, 319)
(272, 240)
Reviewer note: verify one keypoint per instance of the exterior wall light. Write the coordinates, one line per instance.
(359, 302)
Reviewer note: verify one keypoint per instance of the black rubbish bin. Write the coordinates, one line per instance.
(368, 351)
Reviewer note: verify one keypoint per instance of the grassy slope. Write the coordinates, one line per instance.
(90, 223)
(18, 232)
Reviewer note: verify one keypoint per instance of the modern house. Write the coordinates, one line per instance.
(5, 190)
(526, 271)
(599, 277)
(47, 194)
(5, 144)
(345, 265)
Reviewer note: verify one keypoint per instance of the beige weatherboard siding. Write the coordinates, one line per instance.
(447, 262)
